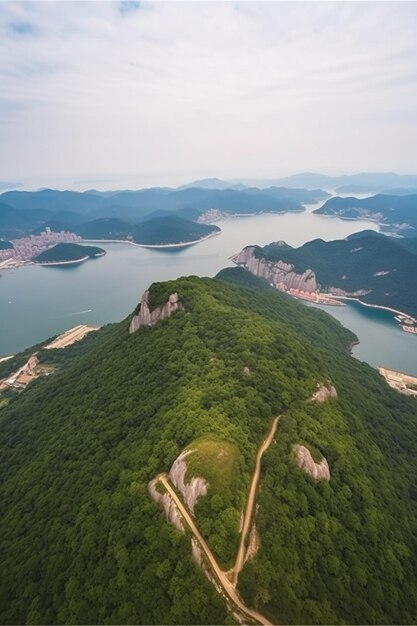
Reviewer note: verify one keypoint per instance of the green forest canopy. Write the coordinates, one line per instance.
(82, 541)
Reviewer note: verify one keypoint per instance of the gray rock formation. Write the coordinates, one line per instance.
(171, 510)
(318, 471)
(276, 273)
(194, 489)
(324, 392)
(282, 275)
(146, 317)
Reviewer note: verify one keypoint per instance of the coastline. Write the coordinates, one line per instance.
(376, 306)
(74, 262)
(155, 245)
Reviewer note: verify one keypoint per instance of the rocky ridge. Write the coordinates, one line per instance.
(276, 273)
(282, 275)
(146, 317)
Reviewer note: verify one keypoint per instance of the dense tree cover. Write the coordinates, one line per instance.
(68, 252)
(392, 210)
(367, 260)
(110, 215)
(81, 540)
(104, 228)
(171, 229)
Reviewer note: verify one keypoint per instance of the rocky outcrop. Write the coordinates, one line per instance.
(283, 276)
(277, 272)
(254, 543)
(171, 510)
(318, 471)
(146, 317)
(194, 489)
(324, 392)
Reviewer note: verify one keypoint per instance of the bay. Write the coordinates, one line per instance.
(39, 302)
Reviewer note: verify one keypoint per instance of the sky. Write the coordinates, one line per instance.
(134, 94)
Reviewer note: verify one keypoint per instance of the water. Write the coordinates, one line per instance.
(39, 302)
(382, 343)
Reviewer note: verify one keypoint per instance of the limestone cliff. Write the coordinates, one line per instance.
(318, 471)
(171, 510)
(146, 317)
(194, 489)
(277, 272)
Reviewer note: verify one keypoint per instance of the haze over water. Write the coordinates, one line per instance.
(37, 302)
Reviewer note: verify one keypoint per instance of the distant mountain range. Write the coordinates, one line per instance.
(373, 267)
(397, 213)
(22, 212)
(372, 182)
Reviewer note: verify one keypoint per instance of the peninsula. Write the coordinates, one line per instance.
(368, 267)
(396, 214)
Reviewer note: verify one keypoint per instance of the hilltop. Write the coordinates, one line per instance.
(171, 230)
(82, 540)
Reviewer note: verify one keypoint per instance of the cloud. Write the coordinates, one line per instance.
(127, 6)
(21, 28)
(158, 93)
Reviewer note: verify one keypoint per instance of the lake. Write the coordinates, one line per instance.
(39, 302)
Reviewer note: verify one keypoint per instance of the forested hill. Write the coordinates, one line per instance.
(22, 212)
(381, 265)
(81, 539)
(65, 252)
(171, 229)
(396, 213)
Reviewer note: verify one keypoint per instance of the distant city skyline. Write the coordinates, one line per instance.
(114, 95)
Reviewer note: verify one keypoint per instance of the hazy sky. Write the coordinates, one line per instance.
(138, 94)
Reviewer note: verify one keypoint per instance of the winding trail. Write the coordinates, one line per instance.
(228, 580)
(225, 583)
(251, 503)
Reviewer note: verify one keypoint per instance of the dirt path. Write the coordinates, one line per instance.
(228, 580)
(227, 586)
(251, 503)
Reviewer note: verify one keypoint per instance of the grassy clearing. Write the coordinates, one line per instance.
(216, 461)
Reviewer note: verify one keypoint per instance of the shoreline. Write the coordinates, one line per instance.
(155, 245)
(376, 306)
(6, 358)
(51, 263)
(84, 258)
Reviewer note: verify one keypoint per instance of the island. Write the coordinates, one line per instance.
(171, 231)
(67, 253)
